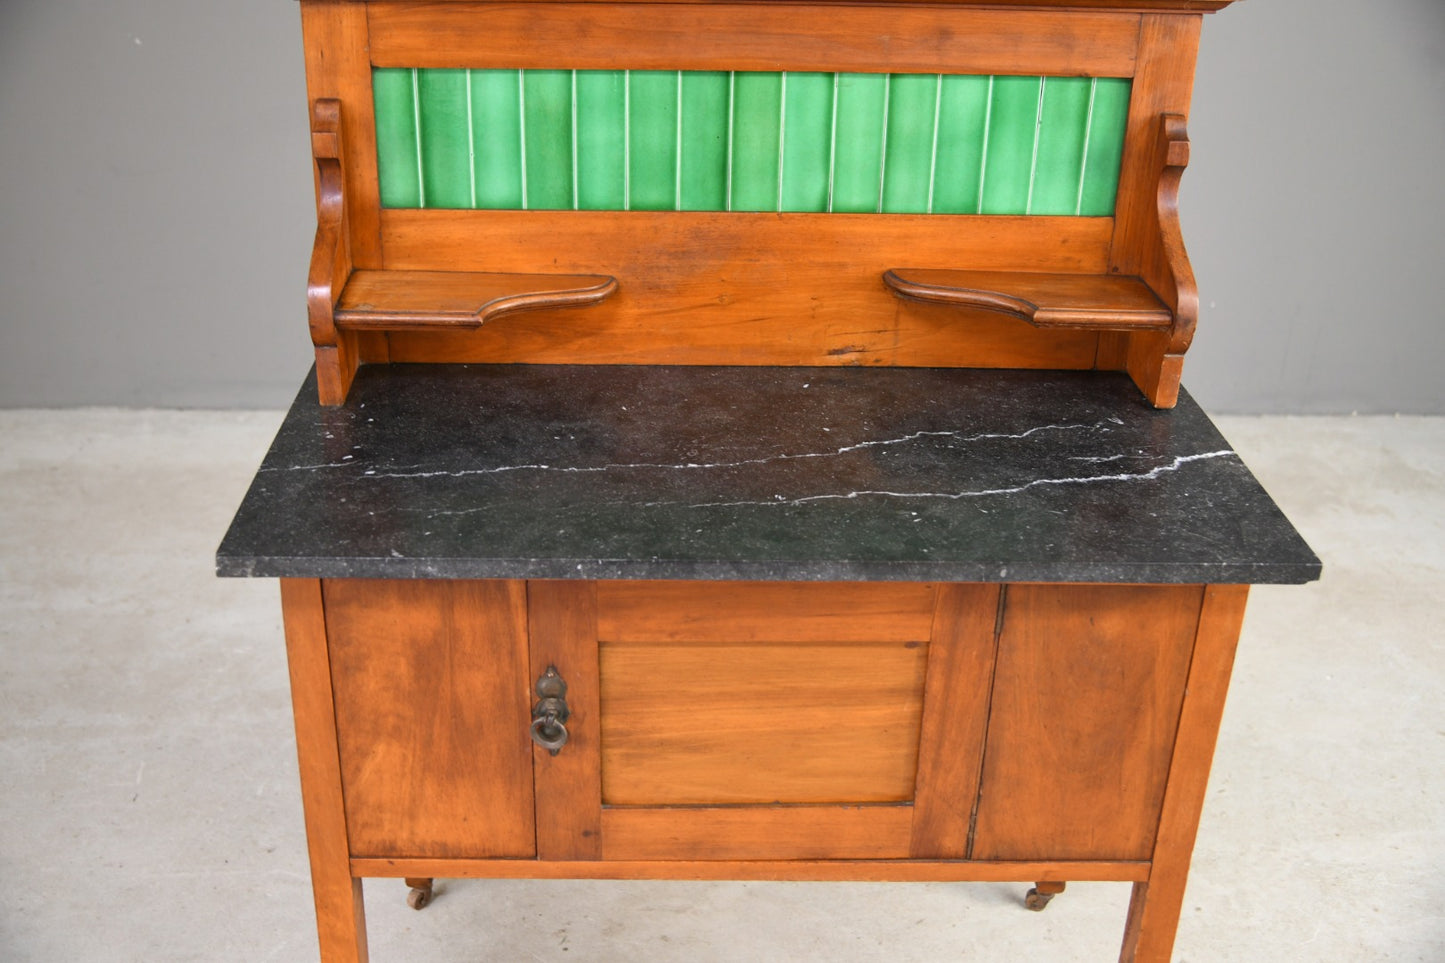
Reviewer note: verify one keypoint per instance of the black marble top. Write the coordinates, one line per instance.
(511, 471)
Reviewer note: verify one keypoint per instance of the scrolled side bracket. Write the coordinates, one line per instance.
(336, 356)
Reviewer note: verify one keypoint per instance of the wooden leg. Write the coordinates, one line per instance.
(340, 918)
(1042, 892)
(1155, 905)
(421, 892)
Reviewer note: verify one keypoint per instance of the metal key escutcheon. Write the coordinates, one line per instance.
(549, 715)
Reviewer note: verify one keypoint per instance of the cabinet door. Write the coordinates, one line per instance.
(1086, 700)
(743, 720)
(429, 681)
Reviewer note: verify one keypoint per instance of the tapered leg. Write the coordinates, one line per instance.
(1155, 905)
(340, 918)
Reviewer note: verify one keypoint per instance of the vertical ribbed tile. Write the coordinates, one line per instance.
(652, 142)
(1106, 147)
(908, 167)
(547, 124)
(446, 160)
(659, 140)
(757, 107)
(601, 152)
(858, 161)
(396, 137)
(962, 114)
(807, 142)
(704, 141)
(1013, 126)
(496, 138)
(1060, 154)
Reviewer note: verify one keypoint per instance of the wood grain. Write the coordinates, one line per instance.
(854, 870)
(336, 41)
(1096, 302)
(740, 36)
(340, 916)
(444, 299)
(562, 626)
(1086, 699)
(756, 832)
(1155, 905)
(336, 354)
(955, 719)
(760, 722)
(736, 288)
(432, 709)
(1148, 205)
(831, 612)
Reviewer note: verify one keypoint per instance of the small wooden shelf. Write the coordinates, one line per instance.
(392, 300)
(1092, 301)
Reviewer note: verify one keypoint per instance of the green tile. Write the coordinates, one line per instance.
(1013, 123)
(907, 167)
(601, 140)
(704, 141)
(962, 115)
(807, 141)
(397, 165)
(1106, 147)
(1062, 131)
(547, 127)
(497, 137)
(652, 133)
(757, 109)
(749, 141)
(446, 154)
(858, 142)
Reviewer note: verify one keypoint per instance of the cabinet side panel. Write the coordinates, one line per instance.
(432, 715)
(1086, 700)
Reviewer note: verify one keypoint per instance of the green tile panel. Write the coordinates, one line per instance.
(748, 141)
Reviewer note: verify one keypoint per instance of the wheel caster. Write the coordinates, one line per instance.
(421, 893)
(1039, 896)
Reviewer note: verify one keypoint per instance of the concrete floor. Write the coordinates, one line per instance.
(149, 807)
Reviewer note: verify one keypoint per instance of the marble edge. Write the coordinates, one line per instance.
(662, 569)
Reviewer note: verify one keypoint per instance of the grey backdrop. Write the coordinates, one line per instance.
(156, 209)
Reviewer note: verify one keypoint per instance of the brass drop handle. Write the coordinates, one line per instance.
(550, 714)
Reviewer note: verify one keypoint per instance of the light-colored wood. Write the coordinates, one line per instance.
(336, 352)
(336, 41)
(955, 719)
(756, 832)
(760, 722)
(745, 288)
(1086, 698)
(340, 917)
(764, 612)
(854, 870)
(1154, 908)
(562, 625)
(773, 36)
(1147, 209)
(1096, 302)
(390, 300)
(432, 710)
(1137, 6)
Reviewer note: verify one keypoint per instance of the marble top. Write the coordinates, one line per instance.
(519, 471)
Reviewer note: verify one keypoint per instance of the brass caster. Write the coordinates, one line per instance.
(421, 893)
